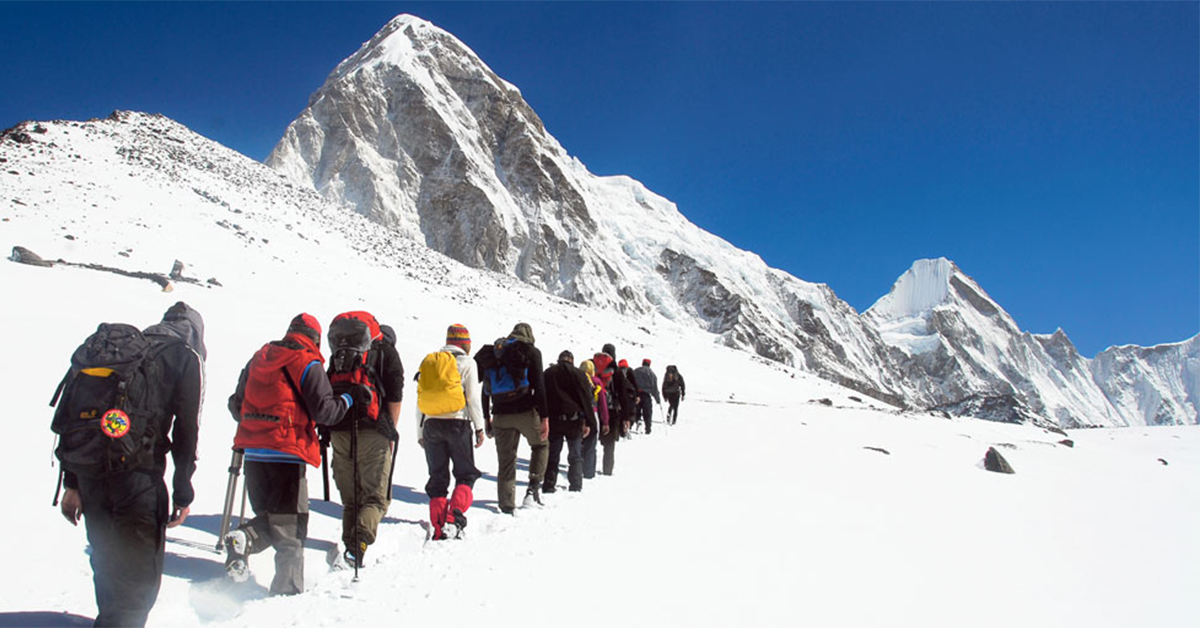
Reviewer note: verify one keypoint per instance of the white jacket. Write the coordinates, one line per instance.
(470, 381)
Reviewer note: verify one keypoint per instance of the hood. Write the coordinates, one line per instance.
(522, 332)
(185, 323)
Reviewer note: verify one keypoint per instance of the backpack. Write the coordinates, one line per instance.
(505, 369)
(439, 385)
(106, 413)
(352, 336)
(603, 361)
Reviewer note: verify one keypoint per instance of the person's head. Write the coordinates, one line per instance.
(623, 364)
(458, 336)
(645, 361)
(566, 356)
(610, 350)
(183, 322)
(522, 332)
(588, 367)
(307, 326)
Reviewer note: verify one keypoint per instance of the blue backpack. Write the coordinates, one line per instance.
(505, 369)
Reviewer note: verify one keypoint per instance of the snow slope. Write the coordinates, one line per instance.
(761, 507)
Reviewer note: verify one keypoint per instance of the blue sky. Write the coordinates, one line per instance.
(1052, 150)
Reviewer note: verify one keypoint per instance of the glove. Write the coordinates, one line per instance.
(361, 395)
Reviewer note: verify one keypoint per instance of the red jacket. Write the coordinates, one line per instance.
(272, 409)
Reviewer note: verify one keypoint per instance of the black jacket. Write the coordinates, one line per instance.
(567, 392)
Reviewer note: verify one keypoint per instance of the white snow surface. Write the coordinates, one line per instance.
(762, 506)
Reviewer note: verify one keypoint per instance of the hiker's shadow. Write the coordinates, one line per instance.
(42, 619)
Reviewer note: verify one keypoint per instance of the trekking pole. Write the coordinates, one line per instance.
(242, 514)
(235, 469)
(324, 442)
(354, 455)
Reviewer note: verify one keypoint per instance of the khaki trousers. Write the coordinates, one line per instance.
(508, 430)
(374, 494)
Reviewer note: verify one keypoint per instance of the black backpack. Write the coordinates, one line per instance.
(107, 416)
(504, 368)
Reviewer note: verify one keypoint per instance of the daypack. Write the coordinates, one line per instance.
(351, 338)
(505, 369)
(603, 362)
(107, 417)
(439, 385)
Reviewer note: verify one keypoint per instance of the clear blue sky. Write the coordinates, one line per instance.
(1051, 149)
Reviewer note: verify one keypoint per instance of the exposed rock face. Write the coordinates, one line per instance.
(419, 134)
(416, 132)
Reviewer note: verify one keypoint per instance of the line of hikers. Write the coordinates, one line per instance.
(126, 389)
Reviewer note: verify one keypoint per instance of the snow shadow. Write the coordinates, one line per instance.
(193, 568)
(42, 619)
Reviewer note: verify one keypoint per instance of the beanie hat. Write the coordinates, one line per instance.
(645, 361)
(566, 356)
(610, 350)
(458, 336)
(623, 363)
(306, 324)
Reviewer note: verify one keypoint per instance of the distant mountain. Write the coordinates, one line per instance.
(962, 353)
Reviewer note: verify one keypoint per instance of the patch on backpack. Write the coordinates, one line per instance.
(115, 423)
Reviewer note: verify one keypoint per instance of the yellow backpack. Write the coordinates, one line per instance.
(439, 386)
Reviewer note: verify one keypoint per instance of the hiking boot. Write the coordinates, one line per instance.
(533, 498)
(506, 510)
(237, 569)
(350, 557)
(455, 529)
(549, 489)
(237, 542)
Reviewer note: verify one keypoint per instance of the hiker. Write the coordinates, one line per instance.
(599, 410)
(124, 500)
(449, 413)
(363, 352)
(569, 402)
(281, 396)
(619, 409)
(514, 405)
(674, 390)
(632, 397)
(647, 385)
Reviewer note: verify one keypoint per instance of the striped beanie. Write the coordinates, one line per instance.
(458, 336)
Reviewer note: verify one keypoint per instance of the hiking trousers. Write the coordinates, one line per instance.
(508, 430)
(672, 407)
(446, 441)
(609, 441)
(589, 453)
(571, 432)
(126, 520)
(645, 409)
(374, 492)
(278, 493)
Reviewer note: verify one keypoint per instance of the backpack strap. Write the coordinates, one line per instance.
(61, 385)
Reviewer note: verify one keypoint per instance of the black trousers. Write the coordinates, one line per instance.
(571, 432)
(126, 520)
(446, 441)
(645, 409)
(279, 496)
(672, 407)
(589, 453)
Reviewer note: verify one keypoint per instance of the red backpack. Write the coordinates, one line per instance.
(354, 361)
